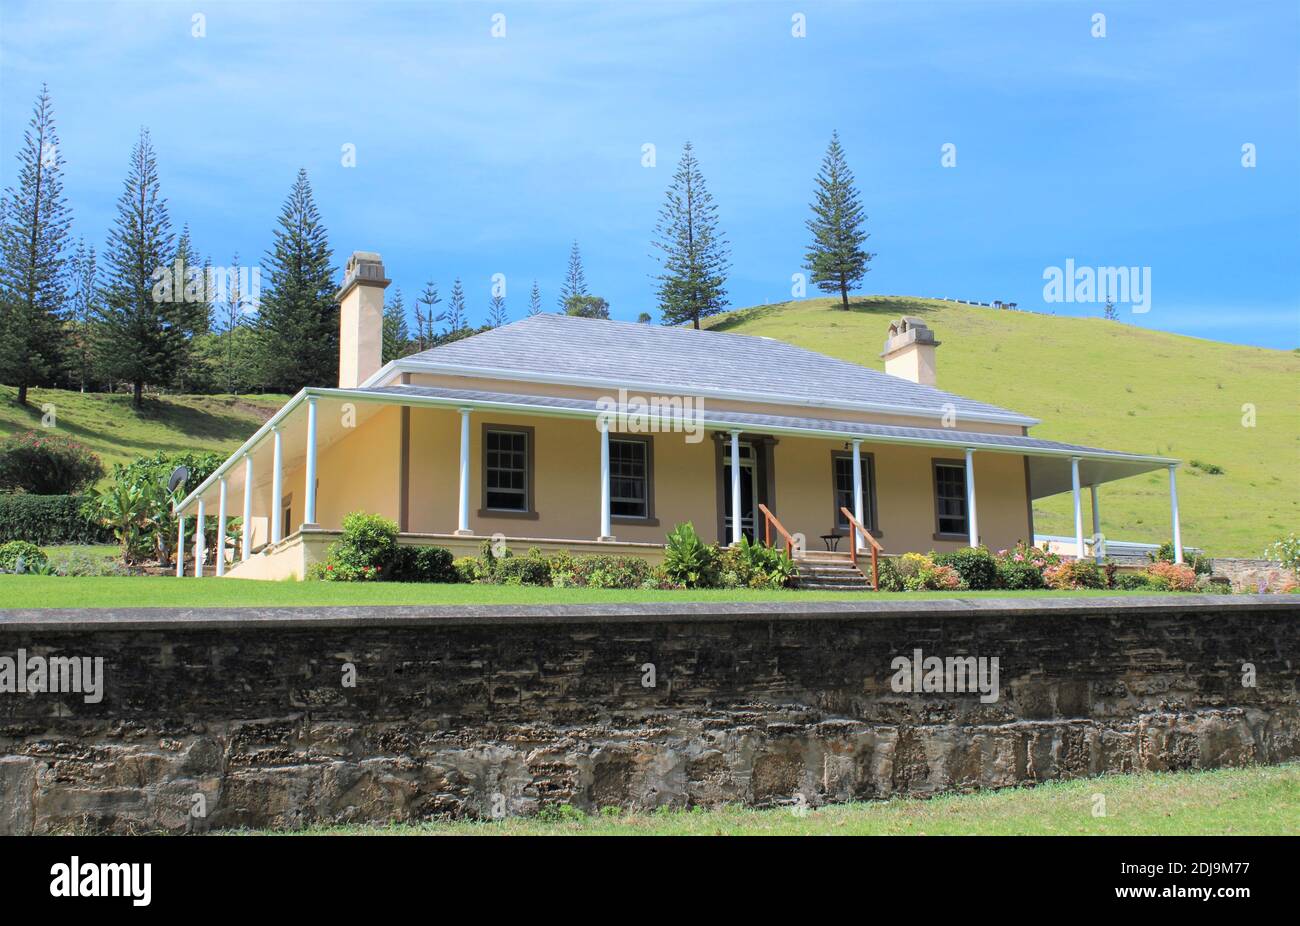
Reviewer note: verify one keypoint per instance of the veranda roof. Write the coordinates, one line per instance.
(1049, 461)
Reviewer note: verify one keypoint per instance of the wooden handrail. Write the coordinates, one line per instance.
(876, 548)
(770, 519)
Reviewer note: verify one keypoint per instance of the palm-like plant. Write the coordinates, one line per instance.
(125, 509)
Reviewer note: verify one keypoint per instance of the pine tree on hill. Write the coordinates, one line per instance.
(237, 358)
(298, 319)
(83, 309)
(455, 314)
(426, 317)
(192, 297)
(535, 300)
(575, 279)
(836, 258)
(694, 255)
(497, 312)
(397, 337)
(34, 225)
(141, 340)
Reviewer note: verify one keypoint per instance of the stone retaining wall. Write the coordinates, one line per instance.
(1253, 575)
(225, 719)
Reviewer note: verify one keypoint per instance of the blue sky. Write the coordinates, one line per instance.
(478, 155)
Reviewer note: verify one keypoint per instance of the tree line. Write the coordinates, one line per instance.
(148, 312)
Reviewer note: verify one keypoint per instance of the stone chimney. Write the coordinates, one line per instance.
(361, 318)
(909, 350)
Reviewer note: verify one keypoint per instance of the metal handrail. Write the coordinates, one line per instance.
(770, 519)
(876, 548)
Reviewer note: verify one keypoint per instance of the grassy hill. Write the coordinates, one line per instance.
(118, 433)
(1105, 384)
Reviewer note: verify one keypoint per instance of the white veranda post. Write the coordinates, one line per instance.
(972, 517)
(277, 483)
(246, 526)
(1078, 508)
(221, 527)
(735, 487)
(180, 545)
(606, 522)
(1098, 545)
(857, 492)
(200, 553)
(309, 490)
(462, 509)
(1173, 511)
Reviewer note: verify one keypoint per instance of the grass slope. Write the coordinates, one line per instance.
(1104, 384)
(108, 425)
(1228, 802)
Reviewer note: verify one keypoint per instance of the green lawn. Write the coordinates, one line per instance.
(1104, 384)
(1249, 801)
(168, 591)
(109, 426)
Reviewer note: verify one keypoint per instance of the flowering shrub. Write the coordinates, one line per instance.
(1286, 551)
(1022, 566)
(1175, 577)
(42, 463)
(1075, 573)
(369, 542)
(919, 573)
(977, 567)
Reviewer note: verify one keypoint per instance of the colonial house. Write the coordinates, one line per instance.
(600, 436)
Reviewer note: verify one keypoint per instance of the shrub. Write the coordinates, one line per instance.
(1207, 586)
(81, 563)
(608, 571)
(367, 546)
(534, 568)
(1165, 554)
(688, 560)
(1136, 581)
(49, 520)
(1019, 574)
(1179, 578)
(21, 556)
(753, 565)
(1077, 573)
(920, 573)
(977, 567)
(564, 569)
(468, 569)
(1286, 550)
(42, 463)
(887, 573)
(420, 564)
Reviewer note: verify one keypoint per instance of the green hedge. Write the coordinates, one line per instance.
(47, 520)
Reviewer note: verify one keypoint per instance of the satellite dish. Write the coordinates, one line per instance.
(180, 475)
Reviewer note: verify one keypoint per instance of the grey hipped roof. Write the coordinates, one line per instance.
(611, 354)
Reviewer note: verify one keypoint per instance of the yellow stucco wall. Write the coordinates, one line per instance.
(363, 471)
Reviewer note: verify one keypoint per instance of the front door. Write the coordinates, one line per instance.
(748, 491)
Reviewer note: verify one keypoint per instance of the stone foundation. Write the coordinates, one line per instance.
(483, 711)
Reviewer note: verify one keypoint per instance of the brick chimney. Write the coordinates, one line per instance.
(909, 350)
(361, 318)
